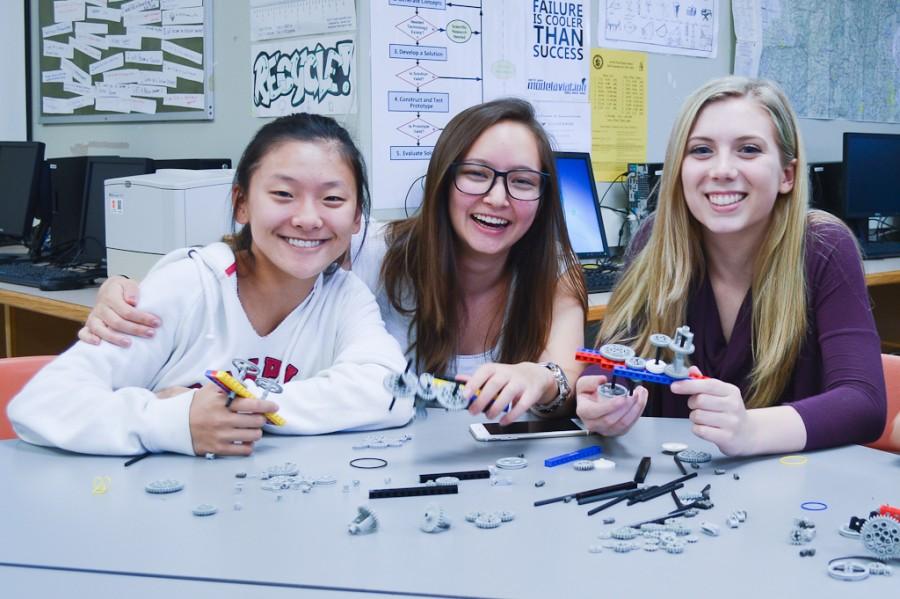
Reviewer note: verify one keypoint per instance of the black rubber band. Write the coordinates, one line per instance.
(381, 463)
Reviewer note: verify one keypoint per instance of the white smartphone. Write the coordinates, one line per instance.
(530, 429)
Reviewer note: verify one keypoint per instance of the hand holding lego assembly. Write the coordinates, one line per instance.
(511, 387)
(234, 388)
(608, 415)
(226, 430)
(115, 317)
(718, 413)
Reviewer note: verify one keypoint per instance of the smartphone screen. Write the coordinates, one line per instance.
(531, 426)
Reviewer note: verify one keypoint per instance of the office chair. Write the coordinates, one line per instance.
(14, 373)
(887, 441)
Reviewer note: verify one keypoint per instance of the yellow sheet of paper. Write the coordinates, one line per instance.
(618, 93)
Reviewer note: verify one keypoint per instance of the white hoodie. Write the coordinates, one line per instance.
(330, 354)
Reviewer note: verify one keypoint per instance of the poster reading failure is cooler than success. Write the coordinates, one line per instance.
(559, 30)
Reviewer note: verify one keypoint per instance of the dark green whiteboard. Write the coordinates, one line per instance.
(54, 90)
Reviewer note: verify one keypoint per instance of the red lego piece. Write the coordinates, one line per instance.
(891, 511)
(594, 357)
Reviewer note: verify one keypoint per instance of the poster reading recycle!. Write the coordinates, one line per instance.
(312, 74)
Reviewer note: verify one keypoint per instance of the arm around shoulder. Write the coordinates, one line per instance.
(97, 399)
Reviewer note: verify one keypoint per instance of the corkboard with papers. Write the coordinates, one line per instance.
(134, 60)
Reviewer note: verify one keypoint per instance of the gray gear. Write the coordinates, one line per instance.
(161, 487)
(364, 523)
(692, 456)
(511, 463)
(609, 391)
(434, 519)
(636, 363)
(427, 389)
(451, 397)
(881, 535)
(660, 340)
(626, 533)
(401, 384)
(487, 521)
(676, 547)
(204, 509)
(616, 352)
(623, 547)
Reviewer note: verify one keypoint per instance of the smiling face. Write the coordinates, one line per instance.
(302, 209)
(732, 169)
(488, 225)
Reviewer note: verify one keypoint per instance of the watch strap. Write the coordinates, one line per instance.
(562, 386)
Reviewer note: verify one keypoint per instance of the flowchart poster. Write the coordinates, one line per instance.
(432, 59)
(427, 65)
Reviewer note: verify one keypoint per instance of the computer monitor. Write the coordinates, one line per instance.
(20, 178)
(579, 199)
(192, 164)
(871, 175)
(870, 191)
(93, 216)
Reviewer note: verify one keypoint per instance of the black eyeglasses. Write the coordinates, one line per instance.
(478, 179)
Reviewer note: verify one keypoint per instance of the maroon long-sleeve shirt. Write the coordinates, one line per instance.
(837, 385)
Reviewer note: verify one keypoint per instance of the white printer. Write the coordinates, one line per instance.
(147, 216)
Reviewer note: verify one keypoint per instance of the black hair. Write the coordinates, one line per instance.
(304, 127)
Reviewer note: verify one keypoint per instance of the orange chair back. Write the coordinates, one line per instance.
(14, 373)
(892, 385)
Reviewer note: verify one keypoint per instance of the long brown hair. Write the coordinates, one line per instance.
(652, 295)
(420, 267)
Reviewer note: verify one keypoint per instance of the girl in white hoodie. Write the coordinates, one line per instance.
(273, 295)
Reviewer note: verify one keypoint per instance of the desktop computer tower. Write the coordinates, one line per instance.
(642, 185)
(826, 186)
(76, 203)
(66, 191)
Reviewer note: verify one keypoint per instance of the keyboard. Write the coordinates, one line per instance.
(49, 277)
(599, 279)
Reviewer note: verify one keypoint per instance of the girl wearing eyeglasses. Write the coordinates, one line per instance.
(484, 280)
(482, 283)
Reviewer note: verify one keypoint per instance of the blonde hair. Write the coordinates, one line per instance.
(653, 293)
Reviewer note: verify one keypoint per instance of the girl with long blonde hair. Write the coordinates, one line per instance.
(774, 292)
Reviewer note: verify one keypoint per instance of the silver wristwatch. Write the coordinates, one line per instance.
(562, 385)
